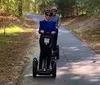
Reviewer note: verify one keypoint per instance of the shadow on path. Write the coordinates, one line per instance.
(76, 65)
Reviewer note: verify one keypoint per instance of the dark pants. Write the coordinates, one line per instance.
(45, 52)
(55, 40)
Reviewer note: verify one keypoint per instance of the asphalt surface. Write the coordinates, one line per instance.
(78, 64)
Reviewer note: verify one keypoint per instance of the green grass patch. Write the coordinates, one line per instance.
(9, 33)
(11, 30)
(4, 38)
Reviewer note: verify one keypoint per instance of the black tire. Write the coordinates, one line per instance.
(57, 54)
(35, 63)
(54, 69)
(35, 59)
(52, 62)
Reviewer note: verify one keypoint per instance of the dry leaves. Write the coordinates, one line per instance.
(86, 28)
(13, 55)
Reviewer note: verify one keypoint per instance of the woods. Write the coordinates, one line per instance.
(77, 7)
(66, 7)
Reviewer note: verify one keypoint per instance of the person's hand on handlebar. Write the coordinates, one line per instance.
(57, 27)
(53, 32)
(41, 31)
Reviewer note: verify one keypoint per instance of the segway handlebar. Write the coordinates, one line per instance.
(43, 32)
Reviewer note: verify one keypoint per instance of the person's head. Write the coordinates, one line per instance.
(48, 14)
(54, 10)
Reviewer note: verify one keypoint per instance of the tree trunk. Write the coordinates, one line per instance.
(7, 7)
(0, 1)
(20, 8)
(34, 6)
(77, 11)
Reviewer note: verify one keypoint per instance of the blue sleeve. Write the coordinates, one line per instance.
(41, 23)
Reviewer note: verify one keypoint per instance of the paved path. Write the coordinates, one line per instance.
(76, 65)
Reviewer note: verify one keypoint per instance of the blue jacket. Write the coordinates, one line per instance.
(47, 26)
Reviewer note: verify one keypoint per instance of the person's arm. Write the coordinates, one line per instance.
(40, 27)
(54, 28)
(59, 22)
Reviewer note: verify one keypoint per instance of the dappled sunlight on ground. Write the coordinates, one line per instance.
(15, 29)
(62, 71)
(11, 29)
(14, 48)
(85, 69)
(71, 48)
(86, 28)
(28, 75)
(63, 31)
(77, 64)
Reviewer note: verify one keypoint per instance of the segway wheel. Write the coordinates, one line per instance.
(54, 69)
(35, 63)
(52, 61)
(57, 56)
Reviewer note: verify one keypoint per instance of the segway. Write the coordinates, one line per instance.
(47, 40)
(56, 52)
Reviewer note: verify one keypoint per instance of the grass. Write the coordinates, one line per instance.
(4, 38)
(11, 31)
(13, 45)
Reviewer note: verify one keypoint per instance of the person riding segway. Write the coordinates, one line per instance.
(47, 64)
(56, 19)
